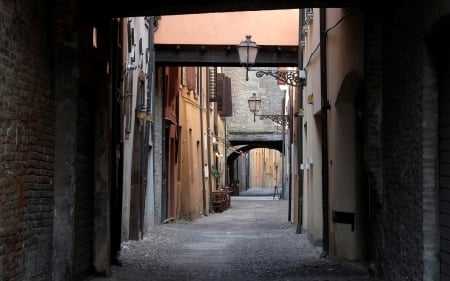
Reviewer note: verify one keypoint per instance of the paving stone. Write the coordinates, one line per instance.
(250, 241)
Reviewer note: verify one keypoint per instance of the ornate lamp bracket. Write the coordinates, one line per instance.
(291, 78)
(282, 120)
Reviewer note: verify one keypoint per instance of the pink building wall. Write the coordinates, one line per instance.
(272, 27)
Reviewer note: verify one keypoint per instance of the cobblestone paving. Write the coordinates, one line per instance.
(251, 241)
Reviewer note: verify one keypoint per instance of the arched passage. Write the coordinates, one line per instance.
(239, 164)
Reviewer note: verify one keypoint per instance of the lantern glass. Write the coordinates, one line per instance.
(247, 51)
(254, 103)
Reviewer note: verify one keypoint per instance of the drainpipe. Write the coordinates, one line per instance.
(325, 107)
(290, 155)
(283, 166)
(247, 170)
(144, 147)
(216, 134)
(208, 145)
(300, 127)
(226, 179)
(202, 144)
(263, 181)
(151, 111)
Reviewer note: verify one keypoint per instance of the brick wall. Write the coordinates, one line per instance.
(398, 171)
(27, 146)
(402, 148)
(430, 143)
(265, 88)
(373, 143)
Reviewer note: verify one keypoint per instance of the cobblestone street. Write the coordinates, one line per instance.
(250, 241)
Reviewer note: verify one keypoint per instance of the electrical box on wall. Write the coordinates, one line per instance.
(206, 171)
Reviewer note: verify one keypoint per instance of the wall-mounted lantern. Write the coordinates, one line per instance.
(248, 50)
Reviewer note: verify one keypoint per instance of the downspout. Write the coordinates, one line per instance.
(299, 102)
(146, 140)
(264, 168)
(283, 163)
(202, 145)
(325, 107)
(216, 159)
(149, 127)
(226, 179)
(247, 170)
(290, 155)
(208, 144)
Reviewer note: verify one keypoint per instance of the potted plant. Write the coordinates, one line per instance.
(215, 174)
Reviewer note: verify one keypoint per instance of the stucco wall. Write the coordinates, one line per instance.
(190, 175)
(312, 151)
(265, 168)
(345, 61)
(277, 28)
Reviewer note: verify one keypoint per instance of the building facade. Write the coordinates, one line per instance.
(265, 168)
(346, 187)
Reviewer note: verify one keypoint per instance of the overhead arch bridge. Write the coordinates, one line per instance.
(246, 142)
(174, 7)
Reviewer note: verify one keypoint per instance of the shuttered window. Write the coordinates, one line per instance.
(223, 95)
(191, 80)
(220, 89)
(212, 81)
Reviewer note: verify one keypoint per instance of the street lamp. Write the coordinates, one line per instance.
(142, 113)
(248, 50)
(254, 104)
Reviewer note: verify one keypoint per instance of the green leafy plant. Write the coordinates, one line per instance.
(215, 173)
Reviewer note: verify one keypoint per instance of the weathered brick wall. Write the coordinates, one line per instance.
(432, 106)
(26, 138)
(265, 88)
(402, 148)
(373, 105)
(399, 196)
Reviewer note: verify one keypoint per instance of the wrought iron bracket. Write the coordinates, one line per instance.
(291, 78)
(282, 120)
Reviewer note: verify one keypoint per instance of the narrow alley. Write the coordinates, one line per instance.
(250, 241)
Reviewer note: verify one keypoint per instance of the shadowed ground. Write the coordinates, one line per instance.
(250, 241)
